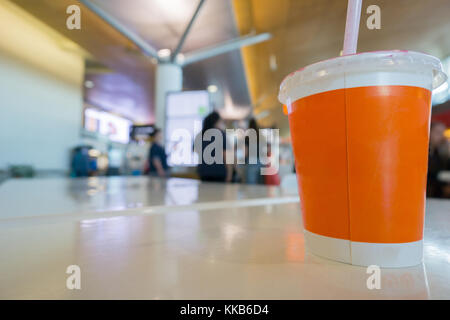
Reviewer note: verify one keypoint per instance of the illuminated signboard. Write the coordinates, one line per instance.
(114, 127)
(184, 115)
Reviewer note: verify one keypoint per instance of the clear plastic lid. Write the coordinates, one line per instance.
(397, 60)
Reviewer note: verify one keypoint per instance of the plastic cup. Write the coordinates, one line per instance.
(360, 127)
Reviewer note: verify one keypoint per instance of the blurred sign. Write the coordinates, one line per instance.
(185, 111)
(141, 132)
(116, 128)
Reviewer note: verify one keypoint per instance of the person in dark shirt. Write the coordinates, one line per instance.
(216, 172)
(438, 160)
(252, 162)
(157, 159)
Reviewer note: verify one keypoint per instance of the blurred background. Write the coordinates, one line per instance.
(86, 102)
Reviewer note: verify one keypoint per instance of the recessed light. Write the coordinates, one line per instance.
(164, 53)
(212, 88)
(89, 84)
(273, 62)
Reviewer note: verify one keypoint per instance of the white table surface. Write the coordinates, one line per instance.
(23, 198)
(218, 242)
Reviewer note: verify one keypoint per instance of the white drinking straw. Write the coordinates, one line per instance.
(352, 27)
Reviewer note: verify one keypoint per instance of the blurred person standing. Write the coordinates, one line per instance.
(252, 169)
(438, 160)
(157, 159)
(136, 157)
(80, 162)
(216, 172)
(274, 178)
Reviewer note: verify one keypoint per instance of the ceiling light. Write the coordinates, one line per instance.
(175, 10)
(212, 88)
(89, 84)
(164, 53)
(273, 62)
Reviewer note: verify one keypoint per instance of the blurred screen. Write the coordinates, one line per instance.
(116, 128)
(141, 132)
(184, 115)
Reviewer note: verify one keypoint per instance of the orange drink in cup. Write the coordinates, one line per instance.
(359, 126)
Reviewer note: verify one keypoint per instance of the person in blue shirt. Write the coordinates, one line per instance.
(80, 162)
(157, 157)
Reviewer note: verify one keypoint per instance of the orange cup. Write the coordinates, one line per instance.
(359, 126)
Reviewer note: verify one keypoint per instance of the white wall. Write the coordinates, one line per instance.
(40, 93)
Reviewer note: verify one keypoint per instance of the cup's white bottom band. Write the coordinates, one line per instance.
(387, 255)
